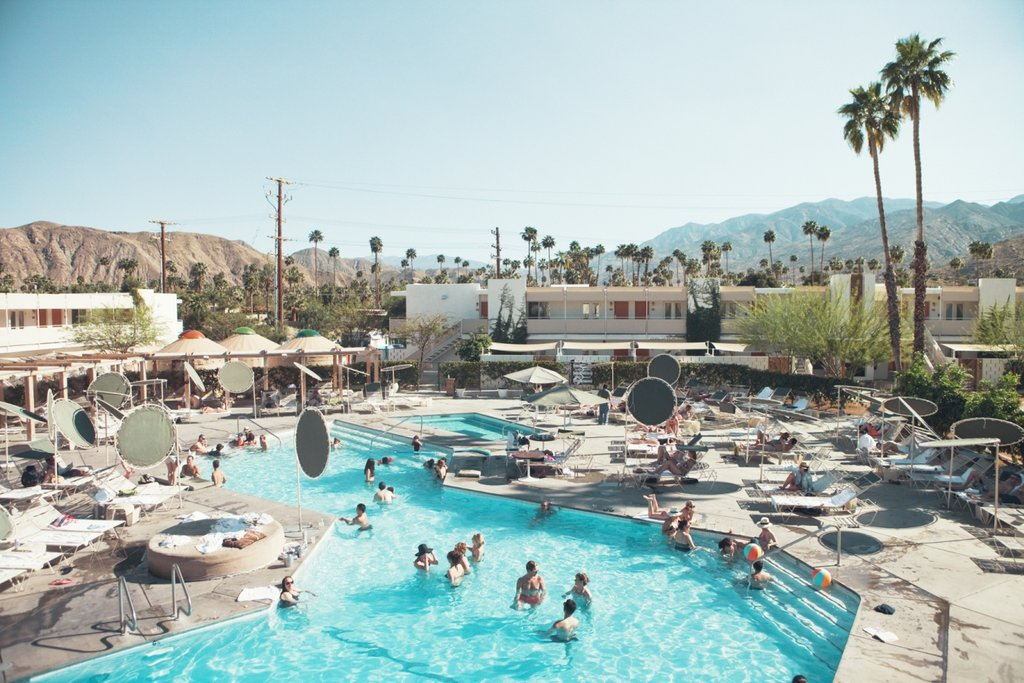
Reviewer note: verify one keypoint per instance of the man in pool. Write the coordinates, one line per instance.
(565, 628)
(384, 494)
(530, 588)
(759, 578)
(360, 520)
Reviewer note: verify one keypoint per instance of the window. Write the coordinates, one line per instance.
(537, 309)
(77, 316)
(954, 312)
(591, 311)
(673, 310)
(16, 319)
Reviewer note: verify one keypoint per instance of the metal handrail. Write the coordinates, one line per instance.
(264, 429)
(394, 427)
(176, 576)
(816, 534)
(130, 623)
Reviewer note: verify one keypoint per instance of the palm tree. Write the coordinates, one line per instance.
(769, 239)
(824, 233)
(440, 262)
(529, 236)
(872, 117)
(645, 255)
(916, 71)
(376, 246)
(598, 251)
(197, 275)
(810, 228)
(411, 255)
(334, 253)
(873, 264)
(956, 263)
(707, 249)
(316, 237)
(727, 247)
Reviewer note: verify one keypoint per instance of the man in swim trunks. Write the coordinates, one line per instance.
(383, 495)
(564, 628)
(759, 578)
(530, 588)
(360, 520)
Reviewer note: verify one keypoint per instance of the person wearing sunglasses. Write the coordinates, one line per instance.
(289, 593)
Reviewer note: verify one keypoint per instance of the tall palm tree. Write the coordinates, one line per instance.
(376, 246)
(621, 252)
(871, 117)
(727, 248)
(916, 71)
(707, 250)
(440, 262)
(316, 237)
(411, 255)
(334, 253)
(598, 251)
(824, 233)
(810, 228)
(529, 236)
(769, 239)
(792, 268)
(646, 254)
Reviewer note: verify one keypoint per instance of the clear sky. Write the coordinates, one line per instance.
(428, 123)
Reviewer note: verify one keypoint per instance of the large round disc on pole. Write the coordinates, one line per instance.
(51, 424)
(6, 524)
(651, 401)
(146, 436)
(18, 411)
(73, 422)
(664, 366)
(312, 442)
(1008, 433)
(194, 376)
(908, 406)
(235, 376)
(112, 387)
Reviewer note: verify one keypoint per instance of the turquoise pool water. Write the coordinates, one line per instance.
(659, 614)
(474, 425)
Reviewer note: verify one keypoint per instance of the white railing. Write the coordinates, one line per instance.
(176, 578)
(129, 622)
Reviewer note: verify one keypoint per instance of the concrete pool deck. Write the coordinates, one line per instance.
(954, 621)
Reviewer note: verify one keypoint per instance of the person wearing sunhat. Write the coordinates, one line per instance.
(766, 539)
(424, 557)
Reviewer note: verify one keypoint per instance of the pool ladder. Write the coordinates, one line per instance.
(817, 534)
(129, 622)
(176, 577)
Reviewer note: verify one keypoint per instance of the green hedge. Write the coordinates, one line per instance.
(465, 373)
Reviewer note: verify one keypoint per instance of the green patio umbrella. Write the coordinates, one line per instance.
(564, 395)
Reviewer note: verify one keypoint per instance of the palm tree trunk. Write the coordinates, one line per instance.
(811, 240)
(891, 297)
(920, 264)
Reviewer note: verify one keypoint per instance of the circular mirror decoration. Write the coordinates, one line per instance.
(235, 376)
(112, 387)
(651, 401)
(71, 420)
(312, 442)
(146, 436)
(1008, 433)
(664, 366)
(907, 406)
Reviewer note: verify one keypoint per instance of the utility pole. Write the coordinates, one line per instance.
(281, 182)
(497, 252)
(163, 253)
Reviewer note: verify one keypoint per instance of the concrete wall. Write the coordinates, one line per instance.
(454, 301)
(996, 292)
(516, 288)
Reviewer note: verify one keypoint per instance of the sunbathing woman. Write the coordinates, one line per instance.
(655, 511)
(678, 468)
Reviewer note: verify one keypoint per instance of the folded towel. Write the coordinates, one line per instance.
(881, 634)
(173, 540)
(193, 516)
(258, 593)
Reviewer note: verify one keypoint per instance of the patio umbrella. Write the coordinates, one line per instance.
(245, 340)
(308, 342)
(536, 375)
(952, 445)
(193, 343)
(564, 395)
(1008, 434)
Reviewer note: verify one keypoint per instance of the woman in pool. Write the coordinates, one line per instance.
(766, 539)
(441, 469)
(456, 571)
(369, 469)
(463, 550)
(530, 588)
(289, 593)
(478, 547)
(263, 442)
(417, 443)
(681, 535)
(335, 443)
(424, 557)
(579, 589)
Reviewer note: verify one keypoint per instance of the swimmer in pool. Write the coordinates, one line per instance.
(478, 547)
(565, 628)
(360, 520)
(530, 588)
(759, 578)
(579, 589)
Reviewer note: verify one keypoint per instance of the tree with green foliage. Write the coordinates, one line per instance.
(704, 311)
(945, 387)
(996, 399)
(916, 72)
(316, 237)
(508, 328)
(423, 331)
(473, 346)
(117, 330)
(837, 333)
(1002, 326)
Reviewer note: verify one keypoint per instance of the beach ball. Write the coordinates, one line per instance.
(753, 552)
(820, 579)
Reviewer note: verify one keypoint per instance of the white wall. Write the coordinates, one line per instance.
(996, 292)
(454, 301)
(516, 288)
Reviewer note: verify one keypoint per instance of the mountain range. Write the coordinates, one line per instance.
(66, 253)
(949, 229)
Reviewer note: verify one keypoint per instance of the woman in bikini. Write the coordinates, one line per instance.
(463, 550)
(530, 588)
(478, 547)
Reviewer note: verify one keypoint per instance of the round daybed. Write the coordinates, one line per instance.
(224, 561)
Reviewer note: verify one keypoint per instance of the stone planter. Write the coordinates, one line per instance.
(502, 393)
(460, 392)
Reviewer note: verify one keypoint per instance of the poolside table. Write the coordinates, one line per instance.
(529, 457)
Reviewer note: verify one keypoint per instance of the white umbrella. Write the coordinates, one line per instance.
(536, 375)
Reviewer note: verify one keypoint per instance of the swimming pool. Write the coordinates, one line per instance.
(658, 613)
(474, 425)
